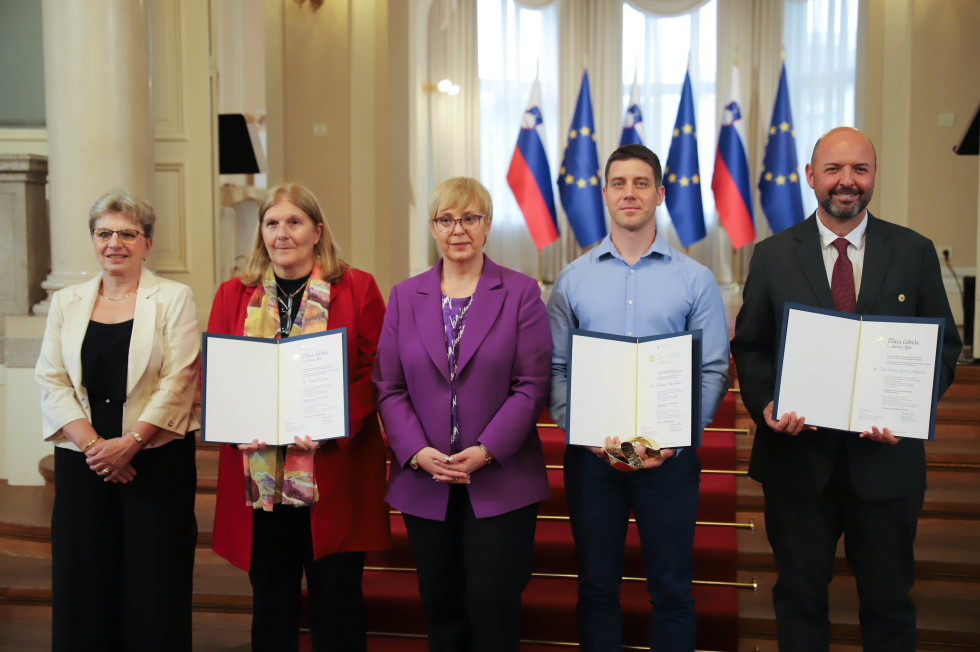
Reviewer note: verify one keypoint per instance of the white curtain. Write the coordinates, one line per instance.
(516, 43)
(454, 120)
(475, 132)
(661, 49)
(821, 66)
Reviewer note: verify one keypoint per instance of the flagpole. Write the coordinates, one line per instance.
(540, 275)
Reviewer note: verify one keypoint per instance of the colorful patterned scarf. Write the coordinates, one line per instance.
(281, 474)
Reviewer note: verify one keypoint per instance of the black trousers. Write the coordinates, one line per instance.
(471, 575)
(879, 535)
(282, 550)
(122, 555)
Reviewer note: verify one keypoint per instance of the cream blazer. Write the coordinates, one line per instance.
(164, 356)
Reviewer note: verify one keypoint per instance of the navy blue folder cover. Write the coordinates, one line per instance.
(870, 318)
(695, 372)
(275, 342)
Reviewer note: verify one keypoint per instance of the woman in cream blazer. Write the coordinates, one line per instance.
(118, 373)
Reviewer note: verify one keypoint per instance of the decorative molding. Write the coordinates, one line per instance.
(170, 202)
(169, 109)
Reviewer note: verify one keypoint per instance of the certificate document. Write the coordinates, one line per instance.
(627, 387)
(274, 390)
(851, 372)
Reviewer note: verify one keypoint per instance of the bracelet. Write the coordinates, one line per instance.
(91, 443)
(138, 437)
(490, 457)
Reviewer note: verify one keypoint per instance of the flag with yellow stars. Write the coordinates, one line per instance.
(779, 183)
(579, 178)
(682, 175)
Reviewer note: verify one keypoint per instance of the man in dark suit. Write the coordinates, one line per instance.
(820, 483)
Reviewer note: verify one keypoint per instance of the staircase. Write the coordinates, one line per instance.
(222, 596)
(947, 590)
(947, 547)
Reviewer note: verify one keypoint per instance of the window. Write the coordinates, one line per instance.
(657, 48)
(820, 69)
(515, 44)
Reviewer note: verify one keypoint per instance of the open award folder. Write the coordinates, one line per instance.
(851, 372)
(628, 387)
(274, 389)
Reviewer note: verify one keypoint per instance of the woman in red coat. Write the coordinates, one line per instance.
(332, 511)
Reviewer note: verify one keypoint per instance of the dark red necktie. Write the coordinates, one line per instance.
(842, 280)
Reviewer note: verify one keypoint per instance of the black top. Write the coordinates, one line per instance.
(289, 306)
(105, 359)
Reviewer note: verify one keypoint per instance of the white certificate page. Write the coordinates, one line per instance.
(664, 391)
(817, 375)
(312, 391)
(602, 395)
(896, 374)
(239, 392)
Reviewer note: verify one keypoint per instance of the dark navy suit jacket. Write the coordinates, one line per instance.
(901, 277)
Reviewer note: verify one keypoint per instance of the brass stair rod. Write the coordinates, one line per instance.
(545, 517)
(563, 576)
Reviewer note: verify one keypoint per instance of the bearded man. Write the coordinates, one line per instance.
(820, 483)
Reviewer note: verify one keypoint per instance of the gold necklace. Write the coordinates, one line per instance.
(125, 296)
(283, 293)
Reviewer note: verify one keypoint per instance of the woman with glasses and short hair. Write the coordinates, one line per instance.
(462, 373)
(118, 373)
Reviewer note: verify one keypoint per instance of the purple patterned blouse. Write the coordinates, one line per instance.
(453, 319)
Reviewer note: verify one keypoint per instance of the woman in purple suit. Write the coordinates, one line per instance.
(462, 372)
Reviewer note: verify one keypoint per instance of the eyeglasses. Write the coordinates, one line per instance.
(446, 224)
(127, 236)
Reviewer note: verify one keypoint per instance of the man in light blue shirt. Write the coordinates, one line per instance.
(635, 284)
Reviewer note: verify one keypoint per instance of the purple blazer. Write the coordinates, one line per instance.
(503, 371)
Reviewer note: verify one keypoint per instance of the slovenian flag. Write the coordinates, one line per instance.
(731, 182)
(529, 175)
(633, 120)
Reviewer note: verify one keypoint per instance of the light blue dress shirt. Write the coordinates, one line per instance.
(664, 292)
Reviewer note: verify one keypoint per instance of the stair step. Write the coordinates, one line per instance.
(946, 612)
(944, 549)
(391, 598)
(956, 447)
(714, 551)
(951, 494)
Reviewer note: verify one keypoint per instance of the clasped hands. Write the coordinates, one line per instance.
(305, 444)
(791, 424)
(451, 469)
(110, 458)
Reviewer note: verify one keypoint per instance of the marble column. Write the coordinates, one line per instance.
(25, 241)
(99, 120)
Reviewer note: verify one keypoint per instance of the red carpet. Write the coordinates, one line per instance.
(393, 605)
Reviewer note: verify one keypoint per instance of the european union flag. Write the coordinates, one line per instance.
(779, 185)
(579, 178)
(682, 176)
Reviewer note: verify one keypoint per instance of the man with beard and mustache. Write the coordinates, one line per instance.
(820, 483)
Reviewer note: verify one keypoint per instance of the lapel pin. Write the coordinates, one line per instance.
(901, 298)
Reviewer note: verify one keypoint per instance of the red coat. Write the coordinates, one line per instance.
(350, 514)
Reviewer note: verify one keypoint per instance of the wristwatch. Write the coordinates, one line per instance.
(414, 462)
(138, 437)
